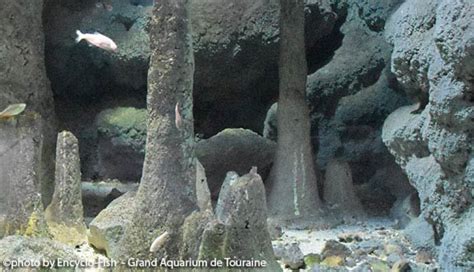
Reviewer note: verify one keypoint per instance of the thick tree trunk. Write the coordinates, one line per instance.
(166, 194)
(293, 190)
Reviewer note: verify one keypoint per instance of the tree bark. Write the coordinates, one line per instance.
(293, 190)
(167, 190)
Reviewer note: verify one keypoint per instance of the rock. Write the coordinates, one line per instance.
(350, 237)
(423, 256)
(350, 99)
(367, 247)
(420, 233)
(333, 261)
(35, 250)
(242, 233)
(379, 266)
(23, 79)
(339, 189)
(107, 229)
(432, 142)
(312, 259)
(406, 210)
(233, 149)
(392, 248)
(203, 195)
(98, 195)
(290, 255)
(270, 126)
(65, 214)
(121, 143)
(21, 151)
(274, 228)
(401, 266)
(334, 248)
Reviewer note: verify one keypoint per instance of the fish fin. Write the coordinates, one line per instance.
(80, 36)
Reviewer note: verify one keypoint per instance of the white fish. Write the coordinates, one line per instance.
(159, 242)
(178, 120)
(12, 110)
(98, 40)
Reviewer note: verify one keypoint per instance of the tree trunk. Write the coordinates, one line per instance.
(166, 194)
(293, 190)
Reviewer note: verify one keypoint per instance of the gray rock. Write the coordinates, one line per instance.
(242, 211)
(65, 214)
(270, 127)
(23, 78)
(339, 189)
(21, 150)
(334, 248)
(432, 145)
(406, 210)
(420, 233)
(203, 195)
(352, 94)
(233, 149)
(35, 250)
(107, 229)
(97, 196)
(290, 255)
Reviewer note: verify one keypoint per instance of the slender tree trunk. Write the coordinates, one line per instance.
(166, 194)
(293, 190)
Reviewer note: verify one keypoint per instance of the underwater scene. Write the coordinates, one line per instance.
(237, 135)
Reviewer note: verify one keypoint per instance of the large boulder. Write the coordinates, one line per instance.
(107, 229)
(233, 150)
(433, 46)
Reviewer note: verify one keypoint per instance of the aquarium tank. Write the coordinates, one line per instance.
(237, 135)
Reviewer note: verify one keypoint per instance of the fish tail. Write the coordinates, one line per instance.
(80, 36)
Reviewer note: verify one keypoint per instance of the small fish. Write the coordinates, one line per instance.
(159, 242)
(98, 40)
(12, 110)
(178, 119)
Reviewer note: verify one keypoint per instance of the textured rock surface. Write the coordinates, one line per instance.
(65, 214)
(433, 46)
(290, 255)
(339, 189)
(242, 232)
(233, 150)
(34, 249)
(21, 145)
(107, 229)
(23, 76)
(166, 195)
(352, 94)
